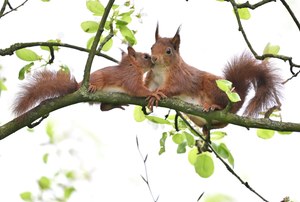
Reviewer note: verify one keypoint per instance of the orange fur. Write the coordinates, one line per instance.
(126, 77)
(173, 77)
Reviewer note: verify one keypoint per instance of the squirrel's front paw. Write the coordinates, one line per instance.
(210, 107)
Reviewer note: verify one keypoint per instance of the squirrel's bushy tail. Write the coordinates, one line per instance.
(246, 70)
(41, 86)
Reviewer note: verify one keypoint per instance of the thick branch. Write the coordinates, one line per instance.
(17, 46)
(119, 98)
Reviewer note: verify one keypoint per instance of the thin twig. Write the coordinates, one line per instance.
(17, 46)
(146, 178)
(89, 62)
(12, 9)
(221, 159)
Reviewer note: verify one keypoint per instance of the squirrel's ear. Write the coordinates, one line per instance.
(156, 32)
(176, 39)
(122, 52)
(131, 51)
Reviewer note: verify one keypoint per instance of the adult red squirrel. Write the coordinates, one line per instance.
(126, 77)
(172, 76)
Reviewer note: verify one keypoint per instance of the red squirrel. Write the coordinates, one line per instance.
(172, 76)
(126, 77)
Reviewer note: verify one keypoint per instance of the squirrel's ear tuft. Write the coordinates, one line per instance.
(131, 51)
(176, 39)
(156, 32)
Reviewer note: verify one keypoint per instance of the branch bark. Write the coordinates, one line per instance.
(119, 98)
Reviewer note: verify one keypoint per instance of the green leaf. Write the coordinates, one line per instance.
(218, 197)
(70, 175)
(233, 96)
(89, 26)
(45, 158)
(2, 86)
(157, 120)
(68, 192)
(192, 155)
(224, 84)
(95, 7)
(45, 0)
(217, 135)
(27, 55)
(178, 138)
(24, 70)
(204, 165)
(26, 196)
(138, 114)
(44, 183)
(231, 160)
(162, 142)
(190, 140)
(50, 131)
(244, 13)
(56, 48)
(90, 42)
(107, 46)
(181, 148)
(128, 35)
(223, 151)
(271, 49)
(265, 133)
(284, 132)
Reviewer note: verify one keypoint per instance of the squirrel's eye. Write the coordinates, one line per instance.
(146, 56)
(169, 51)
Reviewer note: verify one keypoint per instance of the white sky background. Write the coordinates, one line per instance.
(106, 141)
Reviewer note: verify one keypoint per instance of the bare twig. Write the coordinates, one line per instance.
(146, 178)
(2, 14)
(220, 158)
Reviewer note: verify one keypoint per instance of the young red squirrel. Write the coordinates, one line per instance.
(126, 77)
(173, 77)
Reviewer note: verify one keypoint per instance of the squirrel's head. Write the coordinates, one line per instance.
(137, 59)
(165, 51)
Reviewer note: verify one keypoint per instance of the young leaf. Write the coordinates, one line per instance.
(45, 158)
(181, 148)
(224, 84)
(190, 140)
(271, 49)
(178, 138)
(138, 114)
(56, 48)
(265, 133)
(27, 55)
(50, 131)
(158, 120)
(44, 183)
(26, 196)
(284, 132)
(89, 26)
(95, 7)
(2, 86)
(128, 35)
(192, 156)
(25, 70)
(162, 142)
(107, 46)
(204, 165)
(233, 96)
(244, 13)
(217, 135)
(68, 192)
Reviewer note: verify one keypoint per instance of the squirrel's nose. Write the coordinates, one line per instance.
(153, 59)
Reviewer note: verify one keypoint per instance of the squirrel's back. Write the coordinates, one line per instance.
(41, 86)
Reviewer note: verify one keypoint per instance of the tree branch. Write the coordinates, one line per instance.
(17, 46)
(241, 29)
(2, 14)
(121, 99)
(89, 62)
